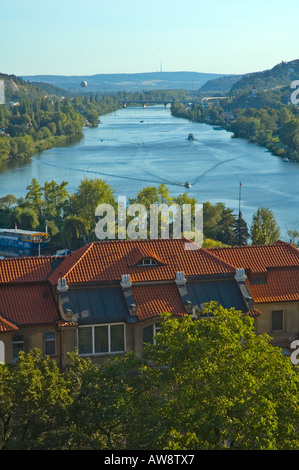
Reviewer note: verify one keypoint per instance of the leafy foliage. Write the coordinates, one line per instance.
(207, 383)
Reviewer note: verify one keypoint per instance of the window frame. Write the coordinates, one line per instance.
(49, 342)
(143, 263)
(92, 327)
(156, 328)
(282, 320)
(14, 342)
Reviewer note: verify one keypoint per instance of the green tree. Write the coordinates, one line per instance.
(73, 232)
(264, 228)
(25, 218)
(101, 399)
(241, 231)
(55, 195)
(226, 230)
(33, 403)
(220, 385)
(4, 147)
(89, 195)
(34, 196)
(153, 195)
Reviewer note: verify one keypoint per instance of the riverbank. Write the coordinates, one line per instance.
(275, 130)
(40, 124)
(129, 155)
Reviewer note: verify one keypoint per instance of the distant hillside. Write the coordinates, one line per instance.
(220, 85)
(128, 82)
(280, 75)
(17, 89)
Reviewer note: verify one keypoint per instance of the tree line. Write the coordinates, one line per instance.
(266, 118)
(36, 124)
(206, 384)
(70, 218)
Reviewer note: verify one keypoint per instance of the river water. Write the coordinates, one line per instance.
(136, 147)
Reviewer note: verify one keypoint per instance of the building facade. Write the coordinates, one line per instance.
(108, 297)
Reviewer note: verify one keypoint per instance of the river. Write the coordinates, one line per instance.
(136, 147)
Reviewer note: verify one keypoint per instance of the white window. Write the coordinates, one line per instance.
(101, 339)
(150, 332)
(147, 262)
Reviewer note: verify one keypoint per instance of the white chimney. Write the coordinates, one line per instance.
(62, 285)
(126, 281)
(240, 275)
(180, 278)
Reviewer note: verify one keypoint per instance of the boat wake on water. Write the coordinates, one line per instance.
(215, 166)
(114, 176)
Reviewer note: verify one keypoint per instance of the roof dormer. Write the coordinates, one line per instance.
(148, 262)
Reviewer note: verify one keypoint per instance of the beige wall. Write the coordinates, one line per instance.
(290, 321)
(66, 337)
(33, 338)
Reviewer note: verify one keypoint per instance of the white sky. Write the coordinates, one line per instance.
(71, 37)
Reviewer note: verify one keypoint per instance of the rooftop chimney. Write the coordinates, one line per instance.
(126, 281)
(180, 278)
(240, 275)
(62, 285)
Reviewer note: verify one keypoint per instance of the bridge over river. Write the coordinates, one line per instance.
(144, 103)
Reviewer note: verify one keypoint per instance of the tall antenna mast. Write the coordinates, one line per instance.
(240, 213)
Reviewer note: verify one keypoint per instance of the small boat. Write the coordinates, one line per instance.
(187, 184)
(217, 128)
(286, 159)
(190, 136)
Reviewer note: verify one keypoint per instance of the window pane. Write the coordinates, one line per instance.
(50, 349)
(117, 338)
(85, 340)
(17, 346)
(148, 334)
(101, 339)
(277, 320)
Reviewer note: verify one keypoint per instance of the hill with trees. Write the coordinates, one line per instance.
(279, 76)
(35, 118)
(219, 86)
(17, 89)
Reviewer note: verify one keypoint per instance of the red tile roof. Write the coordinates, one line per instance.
(259, 258)
(109, 260)
(281, 286)
(280, 263)
(27, 304)
(31, 269)
(153, 300)
(6, 325)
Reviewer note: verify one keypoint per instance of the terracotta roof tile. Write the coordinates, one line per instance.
(6, 325)
(153, 300)
(109, 260)
(281, 286)
(280, 263)
(27, 304)
(259, 258)
(63, 324)
(29, 269)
